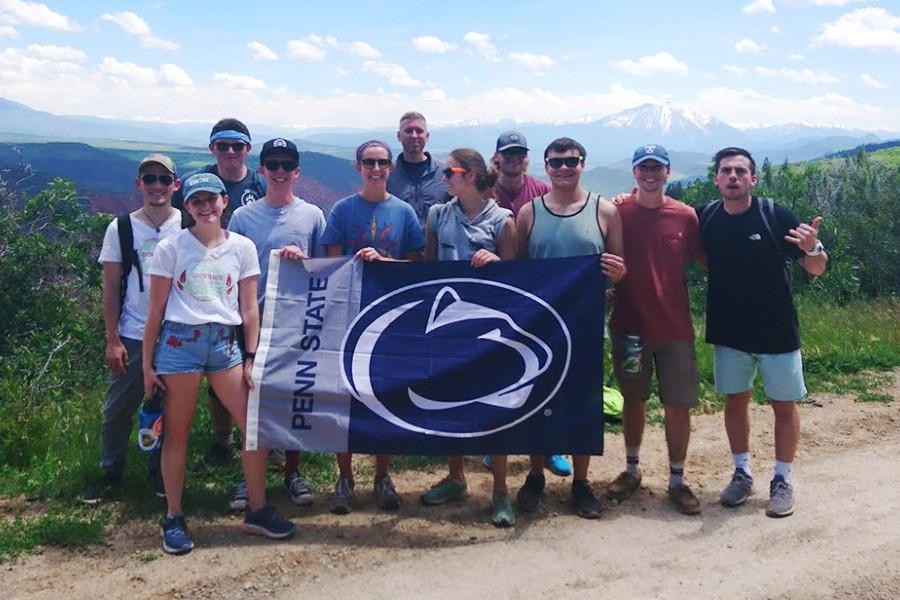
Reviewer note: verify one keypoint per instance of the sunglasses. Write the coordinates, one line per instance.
(287, 165)
(150, 179)
(370, 163)
(569, 161)
(236, 147)
(199, 202)
(449, 171)
(514, 153)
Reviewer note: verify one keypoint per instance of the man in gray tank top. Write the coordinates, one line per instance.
(569, 221)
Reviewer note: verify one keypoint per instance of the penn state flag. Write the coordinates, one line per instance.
(430, 358)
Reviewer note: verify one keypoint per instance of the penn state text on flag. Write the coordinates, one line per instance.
(430, 358)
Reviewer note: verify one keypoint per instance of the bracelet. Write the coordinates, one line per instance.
(249, 356)
(818, 249)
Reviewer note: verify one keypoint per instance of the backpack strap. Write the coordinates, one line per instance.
(707, 214)
(767, 214)
(129, 256)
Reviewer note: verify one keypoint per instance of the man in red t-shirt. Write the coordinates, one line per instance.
(651, 317)
(515, 187)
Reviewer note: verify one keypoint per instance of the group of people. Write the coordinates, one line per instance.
(182, 300)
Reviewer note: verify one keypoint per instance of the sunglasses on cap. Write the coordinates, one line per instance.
(287, 165)
(569, 161)
(370, 163)
(235, 146)
(449, 171)
(150, 179)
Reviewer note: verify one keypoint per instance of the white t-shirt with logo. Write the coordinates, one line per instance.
(204, 280)
(134, 309)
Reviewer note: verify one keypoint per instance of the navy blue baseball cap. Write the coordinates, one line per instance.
(650, 152)
(279, 146)
(511, 139)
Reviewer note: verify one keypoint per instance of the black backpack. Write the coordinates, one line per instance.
(767, 214)
(129, 253)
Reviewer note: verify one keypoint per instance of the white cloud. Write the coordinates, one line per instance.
(175, 75)
(742, 106)
(363, 49)
(481, 44)
(775, 29)
(56, 53)
(132, 24)
(747, 45)
(740, 71)
(34, 14)
(822, 2)
(758, 6)
(31, 67)
(432, 45)
(662, 62)
(796, 56)
(873, 83)
(798, 76)
(434, 95)
(239, 82)
(261, 51)
(328, 40)
(873, 28)
(535, 62)
(396, 74)
(8, 32)
(467, 80)
(301, 50)
(127, 73)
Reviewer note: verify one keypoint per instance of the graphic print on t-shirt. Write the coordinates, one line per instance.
(205, 281)
(383, 239)
(146, 253)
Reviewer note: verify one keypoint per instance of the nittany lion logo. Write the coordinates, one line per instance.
(459, 357)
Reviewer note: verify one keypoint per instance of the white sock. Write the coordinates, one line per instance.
(742, 462)
(633, 460)
(785, 469)
(676, 474)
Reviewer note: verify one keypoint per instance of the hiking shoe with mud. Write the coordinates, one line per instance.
(684, 500)
(738, 489)
(386, 497)
(781, 498)
(503, 514)
(530, 494)
(341, 501)
(446, 490)
(623, 486)
(587, 505)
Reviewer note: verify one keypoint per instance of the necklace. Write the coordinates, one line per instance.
(156, 225)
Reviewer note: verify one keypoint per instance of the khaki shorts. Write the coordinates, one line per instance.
(676, 371)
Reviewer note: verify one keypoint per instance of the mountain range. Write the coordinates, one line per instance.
(690, 137)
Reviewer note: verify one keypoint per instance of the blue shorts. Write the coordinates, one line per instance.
(782, 374)
(205, 348)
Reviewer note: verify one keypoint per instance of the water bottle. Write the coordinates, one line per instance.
(631, 361)
(150, 421)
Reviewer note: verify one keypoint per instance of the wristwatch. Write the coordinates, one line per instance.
(817, 249)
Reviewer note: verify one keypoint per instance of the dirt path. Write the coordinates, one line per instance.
(843, 541)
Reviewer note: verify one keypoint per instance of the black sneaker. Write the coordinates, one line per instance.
(99, 488)
(530, 494)
(218, 455)
(587, 505)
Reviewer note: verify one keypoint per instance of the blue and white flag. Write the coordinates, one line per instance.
(430, 358)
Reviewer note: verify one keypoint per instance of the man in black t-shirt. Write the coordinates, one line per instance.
(751, 319)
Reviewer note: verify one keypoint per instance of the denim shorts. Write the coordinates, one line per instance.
(782, 374)
(205, 348)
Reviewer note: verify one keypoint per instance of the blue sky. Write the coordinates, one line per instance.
(310, 64)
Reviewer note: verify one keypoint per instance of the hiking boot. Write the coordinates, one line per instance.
(298, 489)
(684, 499)
(238, 500)
(176, 539)
(503, 516)
(738, 489)
(558, 465)
(447, 490)
(341, 501)
(781, 498)
(587, 505)
(268, 523)
(623, 486)
(385, 493)
(94, 493)
(530, 494)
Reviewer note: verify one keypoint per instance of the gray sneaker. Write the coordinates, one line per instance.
(298, 489)
(386, 494)
(341, 501)
(238, 500)
(738, 489)
(781, 498)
